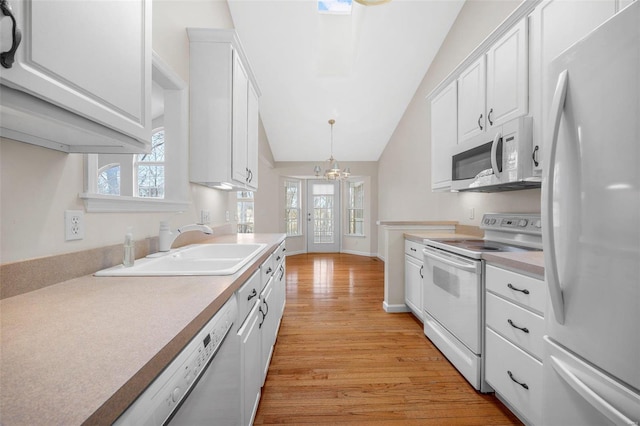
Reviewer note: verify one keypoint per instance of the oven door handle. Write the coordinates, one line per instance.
(463, 266)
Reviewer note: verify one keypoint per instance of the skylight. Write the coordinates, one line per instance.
(334, 6)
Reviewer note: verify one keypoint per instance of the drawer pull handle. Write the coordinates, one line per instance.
(525, 329)
(269, 270)
(524, 385)
(525, 291)
(253, 294)
(421, 268)
(412, 249)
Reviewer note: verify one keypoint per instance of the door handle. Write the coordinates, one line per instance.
(555, 291)
(480, 118)
(494, 154)
(7, 58)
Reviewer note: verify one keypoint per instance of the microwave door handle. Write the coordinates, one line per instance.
(551, 264)
(494, 154)
(463, 266)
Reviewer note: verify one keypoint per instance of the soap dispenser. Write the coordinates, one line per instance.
(129, 256)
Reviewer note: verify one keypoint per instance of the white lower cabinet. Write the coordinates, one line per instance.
(268, 326)
(513, 342)
(413, 274)
(515, 375)
(263, 307)
(251, 362)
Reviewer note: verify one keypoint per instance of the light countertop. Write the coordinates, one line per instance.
(82, 350)
(531, 262)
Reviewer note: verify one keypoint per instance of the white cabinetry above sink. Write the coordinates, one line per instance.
(224, 111)
(81, 80)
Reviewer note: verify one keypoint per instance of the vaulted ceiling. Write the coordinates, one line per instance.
(361, 69)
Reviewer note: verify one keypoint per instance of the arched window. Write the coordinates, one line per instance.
(109, 179)
(149, 169)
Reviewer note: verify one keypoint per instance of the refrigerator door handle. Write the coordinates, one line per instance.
(589, 394)
(555, 291)
(494, 154)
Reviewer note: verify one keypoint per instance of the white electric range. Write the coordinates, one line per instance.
(453, 296)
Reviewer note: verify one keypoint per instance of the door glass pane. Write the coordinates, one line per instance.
(323, 211)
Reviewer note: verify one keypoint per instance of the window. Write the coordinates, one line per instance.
(292, 207)
(153, 182)
(149, 169)
(355, 208)
(245, 212)
(109, 179)
(334, 6)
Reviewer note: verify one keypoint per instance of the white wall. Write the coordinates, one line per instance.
(404, 173)
(38, 184)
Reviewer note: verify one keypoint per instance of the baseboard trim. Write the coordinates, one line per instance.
(397, 308)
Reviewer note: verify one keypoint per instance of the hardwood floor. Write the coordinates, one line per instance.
(340, 358)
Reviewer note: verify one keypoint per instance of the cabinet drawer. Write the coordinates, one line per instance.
(503, 358)
(279, 255)
(524, 290)
(248, 295)
(413, 249)
(267, 269)
(518, 325)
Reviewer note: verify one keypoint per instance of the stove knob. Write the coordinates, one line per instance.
(486, 221)
(538, 223)
(493, 221)
(522, 223)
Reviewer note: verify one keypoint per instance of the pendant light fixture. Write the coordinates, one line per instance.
(332, 171)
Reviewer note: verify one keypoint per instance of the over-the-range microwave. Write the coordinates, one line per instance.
(500, 159)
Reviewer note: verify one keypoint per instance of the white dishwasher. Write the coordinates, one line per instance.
(201, 386)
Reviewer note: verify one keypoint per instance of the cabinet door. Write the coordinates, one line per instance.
(413, 284)
(240, 86)
(252, 138)
(550, 35)
(471, 100)
(250, 354)
(268, 326)
(92, 58)
(444, 135)
(507, 76)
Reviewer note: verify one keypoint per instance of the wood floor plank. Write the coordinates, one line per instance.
(340, 359)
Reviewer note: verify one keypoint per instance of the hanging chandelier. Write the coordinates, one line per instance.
(332, 170)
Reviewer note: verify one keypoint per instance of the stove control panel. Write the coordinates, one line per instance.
(522, 223)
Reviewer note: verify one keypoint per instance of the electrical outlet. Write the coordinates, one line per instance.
(472, 213)
(205, 217)
(73, 225)
(226, 215)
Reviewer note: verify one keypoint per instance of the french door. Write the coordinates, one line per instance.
(323, 216)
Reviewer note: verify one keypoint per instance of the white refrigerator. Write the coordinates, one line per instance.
(591, 229)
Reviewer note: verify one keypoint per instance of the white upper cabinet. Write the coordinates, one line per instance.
(494, 88)
(556, 25)
(81, 80)
(224, 111)
(444, 126)
(471, 100)
(507, 76)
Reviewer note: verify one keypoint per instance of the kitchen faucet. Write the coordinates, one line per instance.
(166, 237)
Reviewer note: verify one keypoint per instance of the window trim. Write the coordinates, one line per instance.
(176, 161)
(348, 208)
(298, 184)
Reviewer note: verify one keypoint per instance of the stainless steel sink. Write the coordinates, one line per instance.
(195, 259)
